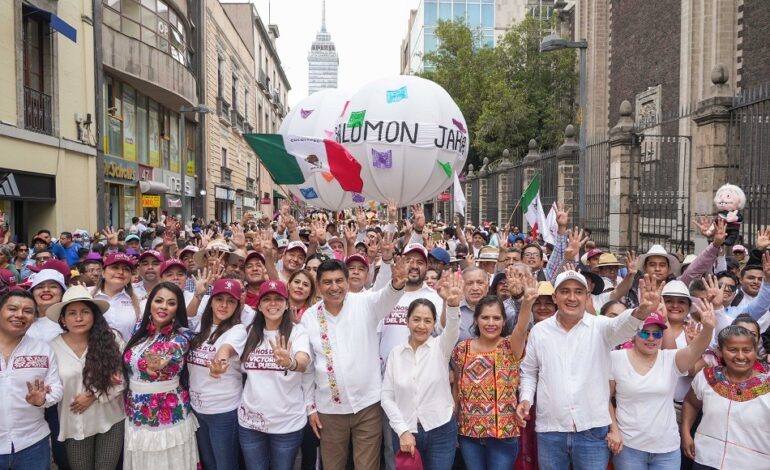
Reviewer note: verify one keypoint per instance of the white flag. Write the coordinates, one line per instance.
(459, 197)
(551, 227)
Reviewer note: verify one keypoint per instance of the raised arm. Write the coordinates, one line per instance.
(518, 336)
(706, 258)
(625, 285)
(451, 290)
(381, 302)
(686, 358)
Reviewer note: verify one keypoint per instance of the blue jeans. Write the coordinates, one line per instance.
(35, 457)
(585, 450)
(263, 451)
(436, 447)
(632, 459)
(489, 453)
(217, 438)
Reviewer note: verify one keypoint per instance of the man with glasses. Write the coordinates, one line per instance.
(42, 256)
(757, 307)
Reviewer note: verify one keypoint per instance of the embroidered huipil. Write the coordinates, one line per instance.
(487, 391)
(22, 424)
(144, 406)
(345, 351)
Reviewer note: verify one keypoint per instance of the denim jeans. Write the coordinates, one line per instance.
(632, 459)
(489, 453)
(585, 450)
(263, 451)
(217, 437)
(436, 447)
(35, 457)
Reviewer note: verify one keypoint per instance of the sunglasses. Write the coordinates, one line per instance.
(644, 334)
(728, 287)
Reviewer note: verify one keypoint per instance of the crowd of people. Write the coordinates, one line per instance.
(358, 340)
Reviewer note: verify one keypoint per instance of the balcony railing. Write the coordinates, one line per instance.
(38, 116)
(223, 109)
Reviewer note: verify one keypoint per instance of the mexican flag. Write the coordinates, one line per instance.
(533, 209)
(292, 159)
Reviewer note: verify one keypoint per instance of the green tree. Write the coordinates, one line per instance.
(508, 94)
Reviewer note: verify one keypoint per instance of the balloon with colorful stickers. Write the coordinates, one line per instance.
(316, 116)
(409, 136)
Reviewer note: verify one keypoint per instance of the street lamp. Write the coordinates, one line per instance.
(554, 42)
(199, 109)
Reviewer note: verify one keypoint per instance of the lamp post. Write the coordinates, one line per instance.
(554, 42)
(199, 109)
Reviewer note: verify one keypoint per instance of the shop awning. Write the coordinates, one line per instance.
(153, 187)
(57, 24)
(22, 186)
(277, 195)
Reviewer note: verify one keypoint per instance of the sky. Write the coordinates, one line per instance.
(367, 34)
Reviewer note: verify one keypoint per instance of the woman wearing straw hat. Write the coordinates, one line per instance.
(88, 354)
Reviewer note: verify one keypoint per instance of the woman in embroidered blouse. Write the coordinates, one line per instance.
(302, 293)
(416, 394)
(160, 429)
(88, 354)
(487, 373)
(272, 415)
(215, 386)
(735, 399)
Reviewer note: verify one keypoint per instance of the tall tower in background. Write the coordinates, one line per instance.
(322, 59)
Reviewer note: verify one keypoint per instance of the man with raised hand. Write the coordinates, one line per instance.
(568, 362)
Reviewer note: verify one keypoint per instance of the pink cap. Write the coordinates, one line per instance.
(356, 257)
(227, 286)
(273, 287)
(593, 252)
(56, 265)
(188, 249)
(94, 256)
(416, 247)
(255, 254)
(406, 461)
(119, 258)
(296, 245)
(740, 249)
(656, 319)
(153, 253)
(172, 263)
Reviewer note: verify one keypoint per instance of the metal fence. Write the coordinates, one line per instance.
(748, 146)
(597, 190)
(548, 167)
(493, 195)
(663, 163)
(473, 202)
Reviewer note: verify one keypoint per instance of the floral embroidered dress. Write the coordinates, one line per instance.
(487, 391)
(160, 429)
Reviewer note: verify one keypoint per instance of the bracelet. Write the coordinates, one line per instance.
(293, 365)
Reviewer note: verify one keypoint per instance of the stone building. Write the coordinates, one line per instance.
(322, 59)
(245, 86)
(47, 116)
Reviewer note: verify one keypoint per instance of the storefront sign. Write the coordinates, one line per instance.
(265, 199)
(117, 170)
(174, 182)
(171, 202)
(151, 200)
(250, 201)
(27, 186)
(145, 173)
(224, 194)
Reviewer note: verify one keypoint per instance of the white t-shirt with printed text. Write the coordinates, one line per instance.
(207, 394)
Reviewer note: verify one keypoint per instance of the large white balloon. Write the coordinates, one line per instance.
(409, 136)
(316, 116)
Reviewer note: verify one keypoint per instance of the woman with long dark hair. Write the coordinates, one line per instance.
(89, 357)
(272, 415)
(216, 382)
(160, 429)
(302, 294)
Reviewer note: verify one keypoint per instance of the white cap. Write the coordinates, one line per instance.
(283, 243)
(570, 276)
(47, 275)
(295, 244)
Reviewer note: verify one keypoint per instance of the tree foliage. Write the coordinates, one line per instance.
(508, 94)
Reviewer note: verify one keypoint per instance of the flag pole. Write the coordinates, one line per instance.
(518, 203)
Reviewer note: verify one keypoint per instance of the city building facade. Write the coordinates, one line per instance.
(246, 87)
(47, 116)
(323, 61)
(489, 18)
(147, 97)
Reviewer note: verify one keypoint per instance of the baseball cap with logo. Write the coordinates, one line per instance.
(441, 255)
(231, 287)
(296, 245)
(356, 257)
(570, 276)
(172, 263)
(416, 247)
(119, 258)
(151, 253)
(655, 319)
(273, 287)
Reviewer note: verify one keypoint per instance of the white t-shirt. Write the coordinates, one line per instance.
(273, 398)
(683, 383)
(121, 314)
(207, 394)
(645, 408)
(393, 330)
(731, 434)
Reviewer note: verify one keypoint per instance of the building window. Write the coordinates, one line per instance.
(36, 37)
(246, 105)
(190, 149)
(141, 129)
(114, 118)
(129, 123)
(152, 22)
(234, 93)
(248, 170)
(220, 76)
(224, 157)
